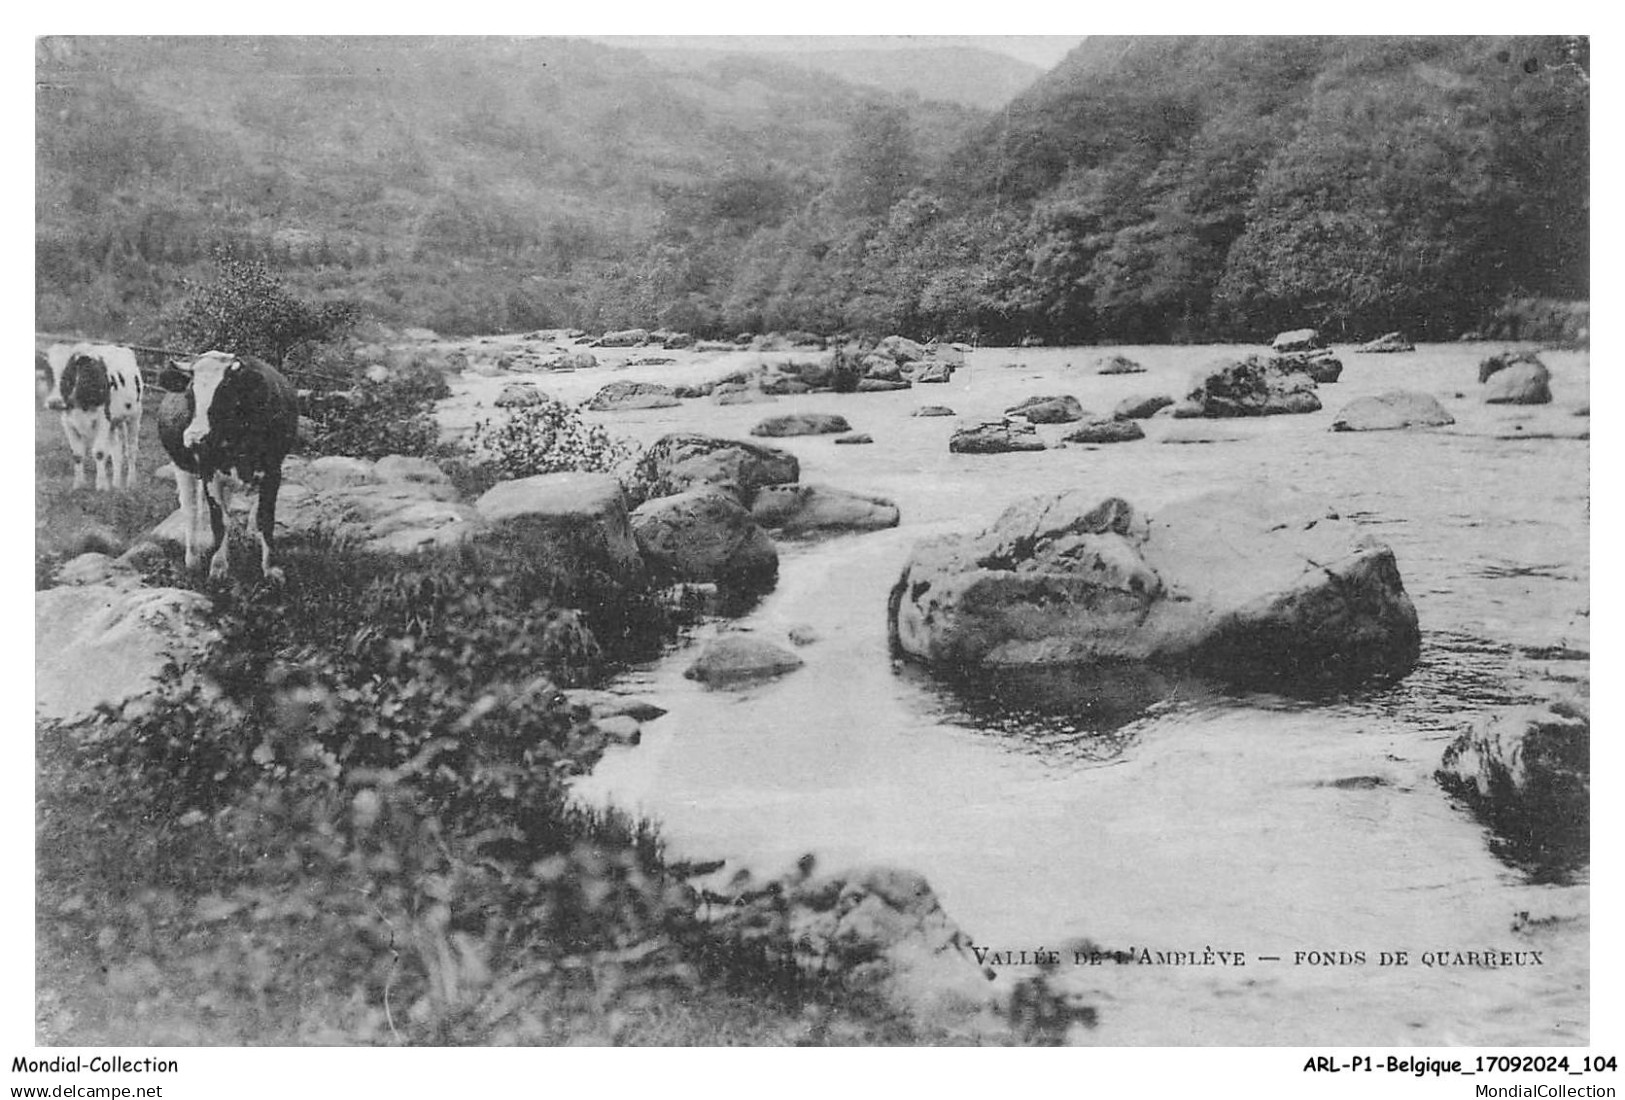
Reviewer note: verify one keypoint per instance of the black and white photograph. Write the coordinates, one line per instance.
(697, 541)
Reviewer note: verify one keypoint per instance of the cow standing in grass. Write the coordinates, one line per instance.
(229, 420)
(98, 388)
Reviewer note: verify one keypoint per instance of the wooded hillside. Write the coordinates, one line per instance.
(1145, 189)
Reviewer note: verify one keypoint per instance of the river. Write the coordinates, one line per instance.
(1170, 816)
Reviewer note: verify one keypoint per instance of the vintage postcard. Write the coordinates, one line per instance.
(694, 541)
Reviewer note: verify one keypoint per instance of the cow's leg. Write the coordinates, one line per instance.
(266, 521)
(132, 444)
(76, 445)
(186, 487)
(118, 459)
(101, 451)
(218, 493)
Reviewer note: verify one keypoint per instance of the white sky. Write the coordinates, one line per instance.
(1039, 49)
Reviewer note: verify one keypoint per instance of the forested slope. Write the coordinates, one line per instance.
(1145, 189)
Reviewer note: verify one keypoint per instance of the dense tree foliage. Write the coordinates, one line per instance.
(1146, 189)
(246, 310)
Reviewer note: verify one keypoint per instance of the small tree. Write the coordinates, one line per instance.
(247, 311)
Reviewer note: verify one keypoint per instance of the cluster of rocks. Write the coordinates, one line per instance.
(709, 505)
(618, 717)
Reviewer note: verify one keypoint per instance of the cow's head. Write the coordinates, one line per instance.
(225, 393)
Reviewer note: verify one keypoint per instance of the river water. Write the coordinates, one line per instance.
(1166, 816)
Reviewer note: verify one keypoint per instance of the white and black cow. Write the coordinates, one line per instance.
(98, 388)
(228, 420)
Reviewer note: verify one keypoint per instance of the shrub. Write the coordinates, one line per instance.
(845, 371)
(371, 421)
(247, 311)
(547, 438)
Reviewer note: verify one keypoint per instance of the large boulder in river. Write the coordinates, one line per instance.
(1141, 407)
(571, 517)
(1527, 772)
(1324, 367)
(1105, 431)
(929, 372)
(806, 423)
(1387, 343)
(519, 395)
(1117, 364)
(622, 396)
(99, 644)
(625, 338)
(901, 349)
(805, 509)
(1516, 380)
(1493, 364)
(705, 536)
(1299, 339)
(1251, 387)
(579, 360)
(880, 368)
(683, 460)
(1056, 409)
(1244, 585)
(995, 437)
(1390, 411)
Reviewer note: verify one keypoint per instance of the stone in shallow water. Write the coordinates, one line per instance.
(1392, 411)
(800, 509)
(705, 535)
(738, 658)
(1057, 409)
(995, 437)
(1106, 431)
(1141, 408)
(802, 424)
(633, 395)
(1246, 586)
(1526, 771)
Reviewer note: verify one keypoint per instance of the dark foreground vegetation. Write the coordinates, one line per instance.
(350, 824)
(1145, 190)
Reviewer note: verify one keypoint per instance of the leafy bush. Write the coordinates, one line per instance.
(247, 311)
(547, 438)
(371, 421)
(383, 416)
